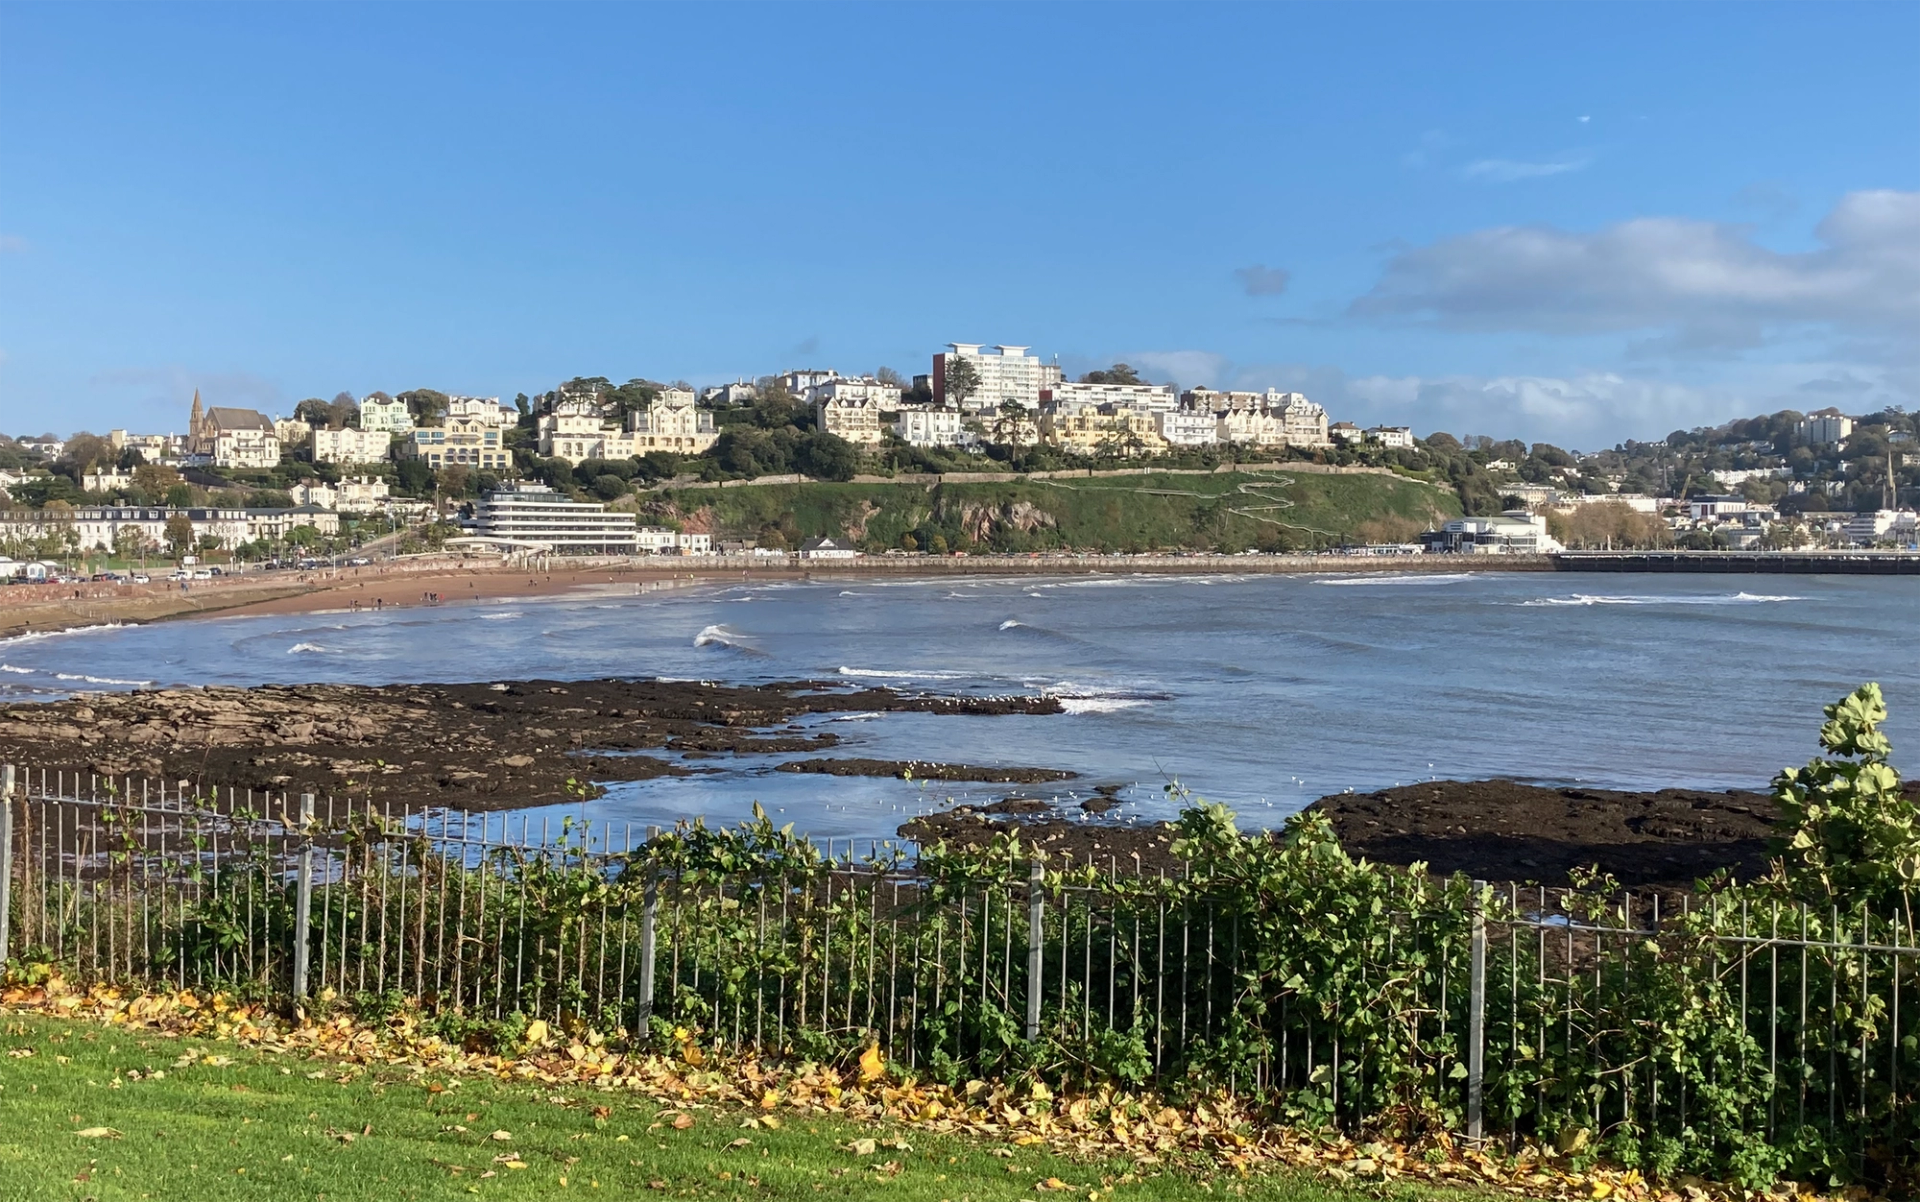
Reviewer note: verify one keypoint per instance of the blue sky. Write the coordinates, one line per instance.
(1578, 223)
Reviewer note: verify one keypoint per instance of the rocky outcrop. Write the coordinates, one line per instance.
(471, 745)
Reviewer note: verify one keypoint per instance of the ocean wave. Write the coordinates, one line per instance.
(726, 639)
(310, 649)
(1010, 623)
(888, 674)
(863, 716)
(21, 671)
(34, 636)
(1741, 598)
(1099, 705)
(1400, 578)
(100, 679)
(501, 616)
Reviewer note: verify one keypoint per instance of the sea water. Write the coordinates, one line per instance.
(1262, 692)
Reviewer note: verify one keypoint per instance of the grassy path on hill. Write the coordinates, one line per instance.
(94, 1112)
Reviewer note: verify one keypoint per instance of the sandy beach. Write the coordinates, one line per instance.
(446, 580)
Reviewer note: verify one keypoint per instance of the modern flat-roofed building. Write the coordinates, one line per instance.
(1824, 427)
(1005, 374)
(1144, 398)
(530, 515)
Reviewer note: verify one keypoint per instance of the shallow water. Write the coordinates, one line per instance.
(1263, 692)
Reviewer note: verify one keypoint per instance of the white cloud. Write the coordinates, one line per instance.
(1666, 273)
(1506, 171)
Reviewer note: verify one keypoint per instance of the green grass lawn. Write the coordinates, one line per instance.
(199, 1121)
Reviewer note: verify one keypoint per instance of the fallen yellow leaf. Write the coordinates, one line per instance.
(872, 1064)
(98, 1133)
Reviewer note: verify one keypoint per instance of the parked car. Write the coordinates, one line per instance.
(358, 561)
(202, 574)
(142, 578)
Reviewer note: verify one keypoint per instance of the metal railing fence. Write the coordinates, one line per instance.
(1740, 1033)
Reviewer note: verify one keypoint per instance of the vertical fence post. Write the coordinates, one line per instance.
(6, 862)
(303, 900)
(1477, 1014)
(1036, 938)
(649, 918)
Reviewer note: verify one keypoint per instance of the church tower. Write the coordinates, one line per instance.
(195, 421)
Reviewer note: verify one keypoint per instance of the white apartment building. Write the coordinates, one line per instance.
(533, 516)
(860, 388)
(275, 524)
(671, 423)
(855, 418)
(1303, 422)
(1882, 525)
(351, 446)
(1514, 533)
(931, 426)
(1823, 427)
(461, 442)
(291, 431)
(1142, 398)
(389, 415)
(802, 380)
(358, 494)
(103, 527)
(246, 447)
(1392, 437)
(1007, 373)
(105, 479)
(1249, 428)
(573, 430)
(738, 393)
(1187, 427)
(152, 447)
(658, 540)
(482, 410)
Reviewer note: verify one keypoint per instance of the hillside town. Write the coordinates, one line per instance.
(567, 471)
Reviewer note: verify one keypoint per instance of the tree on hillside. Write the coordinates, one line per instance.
(886, 375)
(962, 380)
(179, 533)
(427, 405)
(84, 450)
(129, 543)
(1119, 373)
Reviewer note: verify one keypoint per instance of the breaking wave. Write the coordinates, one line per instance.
(34, 636)
(887, 674)
(1641, 599)
(310, 649)
(80, 676)
(726, 639)
(1401, 578)
(1099, 705)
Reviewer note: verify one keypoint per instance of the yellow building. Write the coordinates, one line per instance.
(1107, 430)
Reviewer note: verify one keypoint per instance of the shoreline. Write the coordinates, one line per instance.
(451, 580)
(447, 579)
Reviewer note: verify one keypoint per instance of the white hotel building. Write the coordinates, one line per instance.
(1068, 397)
(532, 516)
(1007, 373)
